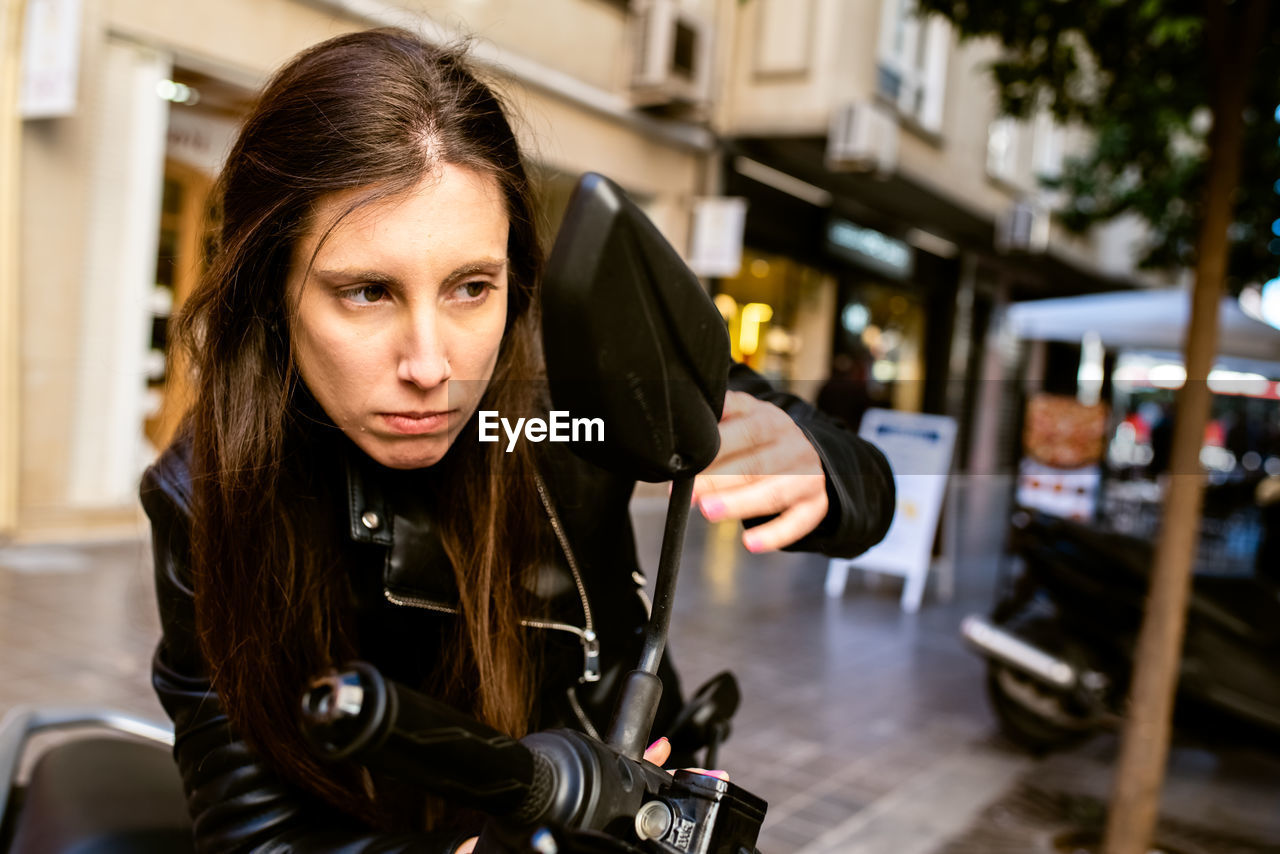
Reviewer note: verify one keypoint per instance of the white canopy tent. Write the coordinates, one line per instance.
(1149, 320)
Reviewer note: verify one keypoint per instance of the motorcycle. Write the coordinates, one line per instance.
(661, 390)
(1060, 642)
(96, 791)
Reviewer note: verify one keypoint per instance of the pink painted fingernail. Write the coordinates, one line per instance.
(712, 508)
(752, 543)
(655, 744)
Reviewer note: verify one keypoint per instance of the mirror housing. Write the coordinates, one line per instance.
(632, 338)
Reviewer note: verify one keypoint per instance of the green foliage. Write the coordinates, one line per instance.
(1136, 73)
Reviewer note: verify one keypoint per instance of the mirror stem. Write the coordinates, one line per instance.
(655, 639)
(638, 702)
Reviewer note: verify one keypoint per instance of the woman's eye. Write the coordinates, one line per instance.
(365, 294)
(473, 290)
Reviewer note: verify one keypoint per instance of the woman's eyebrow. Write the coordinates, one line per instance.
(340, 277)
(488, 267)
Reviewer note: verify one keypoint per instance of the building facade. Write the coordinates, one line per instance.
(892, 213)
(889, 213)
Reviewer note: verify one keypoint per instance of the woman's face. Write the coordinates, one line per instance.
(401, 312)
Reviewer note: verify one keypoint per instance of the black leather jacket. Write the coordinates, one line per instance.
(591, 627)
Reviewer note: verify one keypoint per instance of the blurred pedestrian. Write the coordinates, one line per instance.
(1161, 442)
(845, 394)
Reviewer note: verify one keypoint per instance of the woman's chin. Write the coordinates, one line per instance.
(406, 454)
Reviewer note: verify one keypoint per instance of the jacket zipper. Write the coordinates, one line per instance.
(586, 636)
(572, 693)
(417, 602)
(590, 643)
(587, 726)
(428, 605)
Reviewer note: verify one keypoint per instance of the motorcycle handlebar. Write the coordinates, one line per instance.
(358, 713)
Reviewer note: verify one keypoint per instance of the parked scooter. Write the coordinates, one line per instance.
(1060, 642)
(661, 391)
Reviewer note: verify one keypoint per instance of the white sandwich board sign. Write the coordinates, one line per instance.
(919, 449)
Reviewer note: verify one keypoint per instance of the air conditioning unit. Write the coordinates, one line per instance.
(1024, 227)
(863, 137)
(672, 55)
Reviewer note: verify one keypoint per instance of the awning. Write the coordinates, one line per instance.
(1151, 320)
(889, 205)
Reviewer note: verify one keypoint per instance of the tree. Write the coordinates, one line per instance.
(1184, 139)
(1137, 73)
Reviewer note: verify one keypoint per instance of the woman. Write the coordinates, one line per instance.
(373, 285)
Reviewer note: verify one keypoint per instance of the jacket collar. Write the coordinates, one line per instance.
(390, 509)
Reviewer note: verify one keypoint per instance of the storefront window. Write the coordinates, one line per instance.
(182, 251)
(780, 313)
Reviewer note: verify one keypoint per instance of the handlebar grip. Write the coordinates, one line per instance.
(361, 716)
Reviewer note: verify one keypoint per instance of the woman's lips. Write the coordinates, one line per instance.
(416, 423)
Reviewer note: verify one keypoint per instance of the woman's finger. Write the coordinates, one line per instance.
(792, 458)
(658, 752)
(737, 403)
(737, 472)
(468, 846)
(765, 441)
(766, 496)
(797, 521)
(750, 430)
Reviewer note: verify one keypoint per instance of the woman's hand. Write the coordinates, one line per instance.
(660, 751)
(766, 466)
(657, 753)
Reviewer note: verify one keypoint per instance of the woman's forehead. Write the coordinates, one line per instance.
(459, 189)
(452, 210)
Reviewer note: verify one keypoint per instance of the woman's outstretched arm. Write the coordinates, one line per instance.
(799, 479)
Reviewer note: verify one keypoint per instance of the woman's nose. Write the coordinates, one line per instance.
(423, 360)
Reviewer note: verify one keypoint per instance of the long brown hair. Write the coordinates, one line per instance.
(375, 110)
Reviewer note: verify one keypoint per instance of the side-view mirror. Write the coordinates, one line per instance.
(631, 338)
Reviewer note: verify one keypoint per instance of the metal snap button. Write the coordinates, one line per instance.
(371, 520)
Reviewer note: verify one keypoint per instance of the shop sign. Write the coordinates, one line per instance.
(50, 58)
(870, 248)
(716, 245)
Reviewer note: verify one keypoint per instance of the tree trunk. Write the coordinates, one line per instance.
(1233, 36)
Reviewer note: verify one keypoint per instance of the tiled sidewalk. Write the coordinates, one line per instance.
(864, 728)
(78, 625)
(852, 711)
